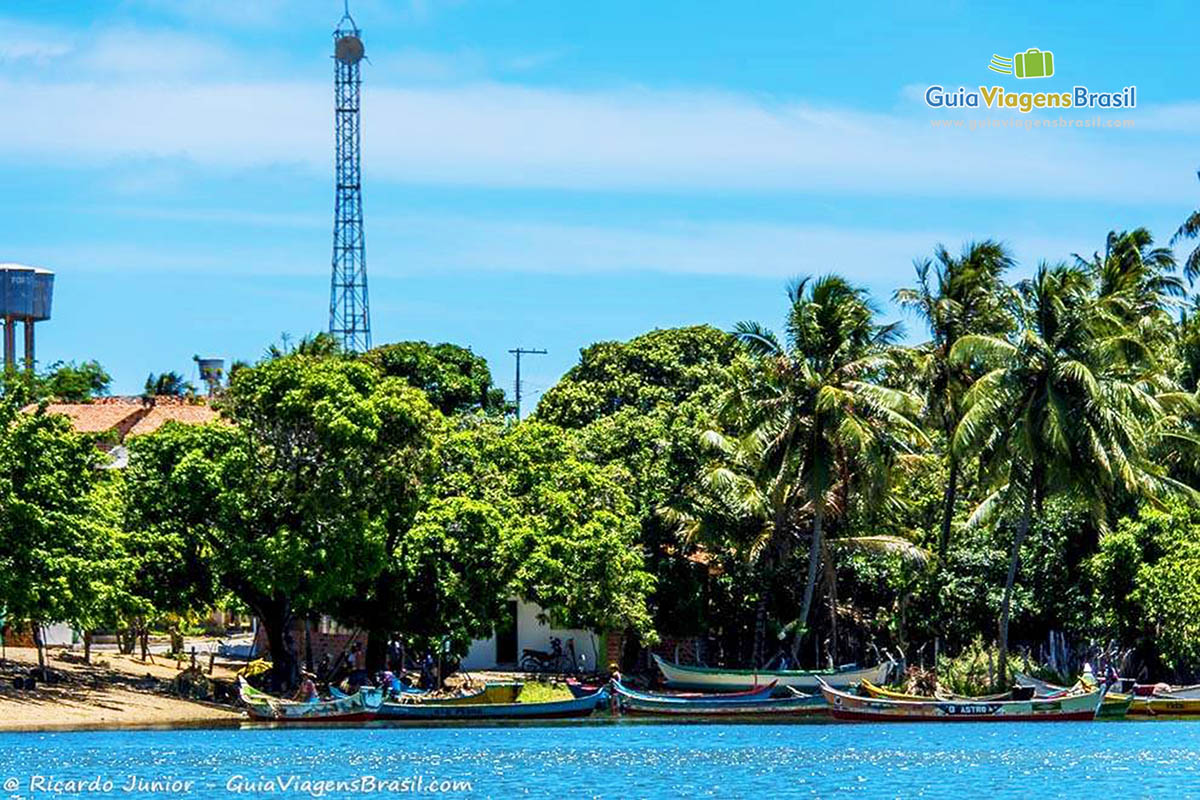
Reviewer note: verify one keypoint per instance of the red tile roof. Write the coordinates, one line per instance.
(131, 416)
(188, 415)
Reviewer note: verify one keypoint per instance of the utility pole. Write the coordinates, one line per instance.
(518, 352)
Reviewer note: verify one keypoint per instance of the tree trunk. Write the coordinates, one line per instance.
(87, 647)
(831, 585)
(40, 643)
(760, 630)
(176, 633)
(814, 561)
(276, 616)
(125, 639)
(376, 651)
(1013, 563)
(308, 653)
(948, 509)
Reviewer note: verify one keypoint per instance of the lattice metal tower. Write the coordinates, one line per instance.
(349, 312)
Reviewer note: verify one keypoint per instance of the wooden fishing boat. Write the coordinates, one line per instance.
(491, 693)
(631, 701)
(1166, 690)
(1164, 705)
(711, 679)
(1115, 706)
(868, 689)
(580, 690)
(554, 709)
(358, 707)
(1041, 688)
(845, 706)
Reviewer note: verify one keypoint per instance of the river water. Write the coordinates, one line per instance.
(1103, 760)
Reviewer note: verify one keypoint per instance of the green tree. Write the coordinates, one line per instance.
(60, 556)
(656, 369)
(168, 384)
(450, 574)
(954, 297)
(292, 500)
(1190, 229)
(75, 383)
(1147, 584)
(1056, 412)
(455, 379)
(171, 571)
(830, 428)
(569, 535)
(640, 405)
(733, 509)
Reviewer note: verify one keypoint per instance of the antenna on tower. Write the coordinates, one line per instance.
(349, 310)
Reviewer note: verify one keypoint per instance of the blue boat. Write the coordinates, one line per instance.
(631, 701)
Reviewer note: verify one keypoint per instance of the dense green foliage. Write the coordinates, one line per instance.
(168, 384)
(452, 377)
(60, 550)
(74, 383)
(829, 494)
(1147, 581)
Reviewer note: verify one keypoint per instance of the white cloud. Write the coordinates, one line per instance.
(401, 245)
(491, 134)
(36, 44)
(154, 55)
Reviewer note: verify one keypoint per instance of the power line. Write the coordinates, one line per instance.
(518, 352)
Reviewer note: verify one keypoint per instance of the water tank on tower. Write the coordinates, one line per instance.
(212, 372)
(25, 296)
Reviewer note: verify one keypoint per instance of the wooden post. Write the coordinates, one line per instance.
(212, 656)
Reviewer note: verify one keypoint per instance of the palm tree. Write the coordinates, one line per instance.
(955, 297)
(815, 406)
(1190, 229)
(1135, 284)
(168, 384)
(1061, 409)
(735, 507)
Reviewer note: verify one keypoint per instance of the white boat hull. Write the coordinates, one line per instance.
(717, 680)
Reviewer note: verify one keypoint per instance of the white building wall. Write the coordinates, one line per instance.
(532, 634)
(60, 633)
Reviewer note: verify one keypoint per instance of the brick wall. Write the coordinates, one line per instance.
(332, 643)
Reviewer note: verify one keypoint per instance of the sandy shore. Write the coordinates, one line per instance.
(113, 691)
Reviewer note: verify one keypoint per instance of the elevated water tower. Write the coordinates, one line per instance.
(212, 372)
(25, 296)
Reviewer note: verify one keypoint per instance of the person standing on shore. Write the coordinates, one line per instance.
(358, 667)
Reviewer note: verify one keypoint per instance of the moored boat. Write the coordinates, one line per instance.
(1115, 705)
(358, 707)
(713, 679)
(631, 701)
(553, 709)
(581, 689)
(1166, 690)
(868, 689)
(846, 706)
(491, 693)
(1164, 706)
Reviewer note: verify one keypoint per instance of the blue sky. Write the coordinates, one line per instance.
(549, 174)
